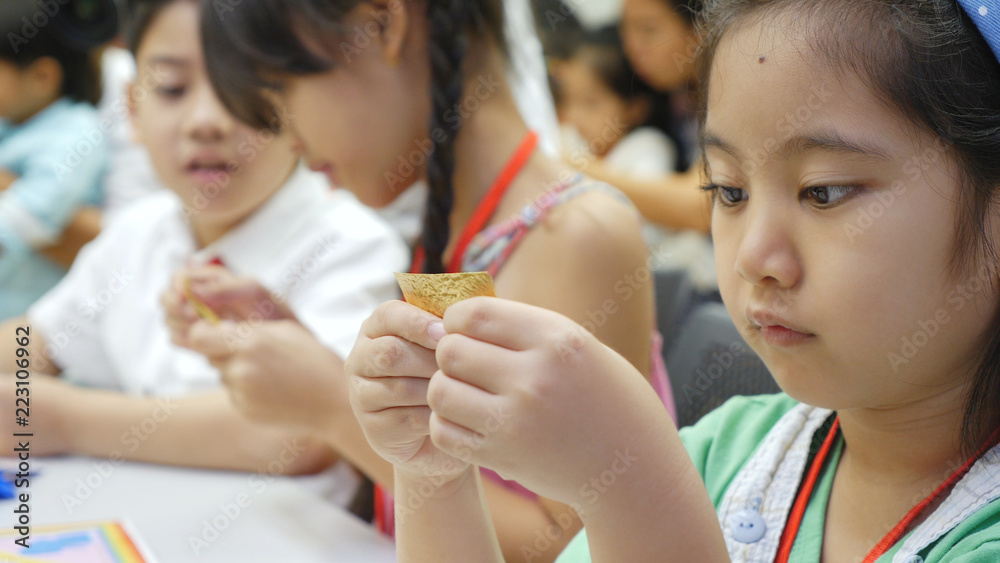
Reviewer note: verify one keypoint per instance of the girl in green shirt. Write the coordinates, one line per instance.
(852, 152)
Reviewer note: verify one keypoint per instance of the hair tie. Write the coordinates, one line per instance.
(986, 15)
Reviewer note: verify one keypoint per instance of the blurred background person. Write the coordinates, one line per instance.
(52, 151)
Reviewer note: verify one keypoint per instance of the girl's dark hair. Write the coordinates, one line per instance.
(927, 60)
(32, 31)
(141, 16)
(558, 28)
(688, 9)
(248, 50)
(602, 51)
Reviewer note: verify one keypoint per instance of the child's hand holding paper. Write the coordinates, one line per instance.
(214, 293)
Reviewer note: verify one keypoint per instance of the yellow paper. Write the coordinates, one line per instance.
(204, 311)
(434, 293)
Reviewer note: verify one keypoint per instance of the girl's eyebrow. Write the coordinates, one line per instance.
(168, 60)
(827, 141)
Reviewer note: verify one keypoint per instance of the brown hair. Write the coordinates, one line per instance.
(688, 9)
(31, 33)
(928, 60)
(248, 49)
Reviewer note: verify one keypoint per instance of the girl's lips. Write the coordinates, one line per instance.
(778, 335)
(207, 176)
(774, 329)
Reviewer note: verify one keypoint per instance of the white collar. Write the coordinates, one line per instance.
(252, 244)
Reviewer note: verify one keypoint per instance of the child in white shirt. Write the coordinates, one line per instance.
(238, 197)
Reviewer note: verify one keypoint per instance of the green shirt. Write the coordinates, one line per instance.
(721, 442)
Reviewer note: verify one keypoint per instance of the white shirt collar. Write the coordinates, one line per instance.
(253, 243)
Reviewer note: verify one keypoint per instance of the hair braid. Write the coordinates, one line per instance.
(448, 45)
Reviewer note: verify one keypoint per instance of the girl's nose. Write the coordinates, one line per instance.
(767, 254)
(208, 120)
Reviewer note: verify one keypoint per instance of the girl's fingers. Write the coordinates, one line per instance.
(215, 341)
(378, 394)
(465, 405)
(222, 291)
(480, 364)
(391, 356)
(205, 274)
(175, 304)
(401, 426)
(179, 281)
(509, 324)
(456, 440)
(396, 318)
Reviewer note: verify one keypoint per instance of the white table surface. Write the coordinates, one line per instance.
(285, 519)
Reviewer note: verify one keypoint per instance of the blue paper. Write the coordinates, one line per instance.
(6, 488)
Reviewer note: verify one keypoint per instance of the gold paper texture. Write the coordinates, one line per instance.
(434, 293)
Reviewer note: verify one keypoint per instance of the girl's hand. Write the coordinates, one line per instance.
(535, 397)
(228, 296)
(388, 373)
(276, 372)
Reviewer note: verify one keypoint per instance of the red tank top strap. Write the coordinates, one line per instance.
(487, 207)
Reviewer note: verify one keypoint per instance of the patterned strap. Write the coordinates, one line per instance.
(490, 250)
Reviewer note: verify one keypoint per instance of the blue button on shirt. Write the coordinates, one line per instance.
(59, 158)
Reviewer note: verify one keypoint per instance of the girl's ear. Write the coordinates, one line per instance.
(46, 76)
(393, 23)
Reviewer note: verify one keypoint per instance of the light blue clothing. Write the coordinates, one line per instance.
(59, 157)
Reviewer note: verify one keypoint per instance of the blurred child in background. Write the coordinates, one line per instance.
(238, 197)
(608, 112)
(612, 116)
(52, 154)
(660, 42)
(429, 75)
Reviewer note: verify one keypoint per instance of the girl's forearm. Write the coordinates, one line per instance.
(17, 334)
(83, 228)
(656, 510)
(196, 431)
(529, 529)
(6, 179)
(345, 435)
(438, 522)
(673, 201)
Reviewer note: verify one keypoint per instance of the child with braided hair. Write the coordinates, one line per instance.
(384, 94)
(852, 153)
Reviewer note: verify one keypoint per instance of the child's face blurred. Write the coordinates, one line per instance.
(221, 169)
(601, 116)
(839, 233)
(364, 122)
(659, 43)
(24, 92)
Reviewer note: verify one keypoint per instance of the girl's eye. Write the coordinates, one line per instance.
(725, 195)
(171, 92)
(828, 196)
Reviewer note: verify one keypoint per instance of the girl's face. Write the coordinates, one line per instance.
(659, 43)
(364, 122)
(834, 231)
(12, 92)
(221, 169)
(25, 92)
(599, 114)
